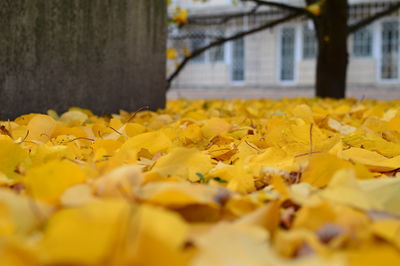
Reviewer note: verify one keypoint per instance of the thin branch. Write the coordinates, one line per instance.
(227, 39)
(281, 5)
(360, 24)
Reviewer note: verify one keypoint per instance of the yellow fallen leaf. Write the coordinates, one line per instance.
(389, 230)
(121, 182)
(384, 192)
(345, 189)
(133, 129)
(83, 236)
(47, 153)
(154, 142)
(6, 223)
(373, 160)
(74, 116)
(239, 180)
(11, 156)
(376, 144)
(48, 181)
(157, 237)
(374, 254)
(41, 128)
(192, 133)
(321, 169)
(215, 126)
(176, 195)
(183, 162)
(77, 195)
(339, 127)
(14, 252)
(267, 217)
(26, 214)
(248, 243)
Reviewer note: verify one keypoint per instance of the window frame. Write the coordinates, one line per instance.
(231, 50)
(369, 28)
(378, 51)
(195, 60)
(297, 53)
(303, 43)
(207, 54)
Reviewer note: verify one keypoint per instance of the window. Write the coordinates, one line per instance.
(362, 43)
(198, 41)
(237, 67)
(216, 54)
(287, 54)
(309, 42)
(390, 50)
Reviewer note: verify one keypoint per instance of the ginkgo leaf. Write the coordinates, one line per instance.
(215, 126)
(389, 230)
(154, 142)
(385, 192)
(74, 116)
(321, 169)
(183, 162)
(175, 194)
(77, 195)
(11, 156)
(248, 243)
(84, 235)
(238, 178)
(373, 254)
(48, 181)
(376, 144)
(41, 128)
(121, 182)
(157, 237)
(25, 213)
(342, 128)
(372, 160)
(345, 189)
(304, 182)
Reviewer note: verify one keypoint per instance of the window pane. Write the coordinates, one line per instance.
(217, 54)
(309, 43)
(287, 54)
(238, 60)
(198, 41)
(362, 42)
(390, 50)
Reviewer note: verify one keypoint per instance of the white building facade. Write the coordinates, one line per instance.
(283, 56)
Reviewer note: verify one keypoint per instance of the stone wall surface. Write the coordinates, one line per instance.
(104, 55)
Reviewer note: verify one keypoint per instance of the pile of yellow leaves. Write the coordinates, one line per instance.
(299, 182)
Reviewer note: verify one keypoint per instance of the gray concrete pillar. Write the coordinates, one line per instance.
(104, 55)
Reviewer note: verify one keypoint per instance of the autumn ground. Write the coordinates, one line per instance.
(297, 182)
(257, 93)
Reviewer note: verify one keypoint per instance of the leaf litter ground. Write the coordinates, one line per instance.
(259, 182)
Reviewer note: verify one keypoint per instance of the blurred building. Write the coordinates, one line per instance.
(283, 56)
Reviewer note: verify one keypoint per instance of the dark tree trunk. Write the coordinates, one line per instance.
(332, 62)
(97, 54)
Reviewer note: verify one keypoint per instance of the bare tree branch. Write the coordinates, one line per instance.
(227, 39)
(360, 24)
